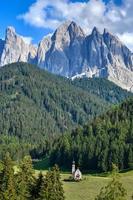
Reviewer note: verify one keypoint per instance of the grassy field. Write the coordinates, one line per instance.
(91, 185)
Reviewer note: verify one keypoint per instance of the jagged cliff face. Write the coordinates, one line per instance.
(69, 52)
(14, 49)
(107, 57)
(61, 54)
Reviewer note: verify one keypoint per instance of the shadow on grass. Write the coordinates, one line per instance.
(126, 170)
(45, 165)
(41, 164)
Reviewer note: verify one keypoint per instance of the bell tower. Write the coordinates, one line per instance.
(73, 168)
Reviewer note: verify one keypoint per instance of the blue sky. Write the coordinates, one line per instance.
(32, 18)
(9, 11)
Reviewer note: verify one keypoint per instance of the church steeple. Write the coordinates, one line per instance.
(73, 167)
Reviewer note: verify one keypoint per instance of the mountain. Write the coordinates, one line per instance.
(71, 53)
(63, 56)
(36, 106)
(14, 49)
(105, 140)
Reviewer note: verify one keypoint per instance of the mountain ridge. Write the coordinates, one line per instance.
(71, 53)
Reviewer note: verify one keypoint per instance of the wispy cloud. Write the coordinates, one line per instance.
(50, 14)
(28, 40)
(127, 38)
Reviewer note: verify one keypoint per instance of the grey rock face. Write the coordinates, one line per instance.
(106, 56)
(62, 53)
(71, 53)
(14, 49)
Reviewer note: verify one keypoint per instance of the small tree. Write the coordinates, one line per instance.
(115, 169)
(51, 188)
(35, 187)
(113, 191)
(7, 181)
(25, 178)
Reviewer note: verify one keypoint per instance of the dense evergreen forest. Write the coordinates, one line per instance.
(103, 88)
(36, 107)
(105, 140)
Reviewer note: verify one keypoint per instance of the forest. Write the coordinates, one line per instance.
(105, 140)
(36, 108)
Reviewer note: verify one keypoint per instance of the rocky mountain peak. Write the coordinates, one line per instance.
(109, 37)
(95, 35)
(69, 52)
(69, 30)
(106, 31)
(95, 31)
(10, 33)
(75, 30)
(15, 49)
(10, 29)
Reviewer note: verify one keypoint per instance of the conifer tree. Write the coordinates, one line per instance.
(57, 183)
(7, 181)
(25, 178)
(35, 187)
(51, 188)
(114, 190)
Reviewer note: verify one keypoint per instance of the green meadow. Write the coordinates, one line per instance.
(90, 186)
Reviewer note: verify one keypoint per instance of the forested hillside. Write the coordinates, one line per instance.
(103, 88)
(107, 139)
(36, 106)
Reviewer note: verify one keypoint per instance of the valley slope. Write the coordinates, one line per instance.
(36, 106)
(105, 140)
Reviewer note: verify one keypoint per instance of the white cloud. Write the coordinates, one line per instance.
(28, 40)
(51, 13)
(127, 38)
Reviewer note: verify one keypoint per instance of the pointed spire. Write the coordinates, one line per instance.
(73, 167)
(95, 31)
(105, 31)
(10, 32)
(10, 28)
(68, 26)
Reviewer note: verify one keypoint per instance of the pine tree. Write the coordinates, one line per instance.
(35, 187)
(25, 178)
(7, 181)
(51, 188)
(113, 191)
(57, 184)
(44, 189)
